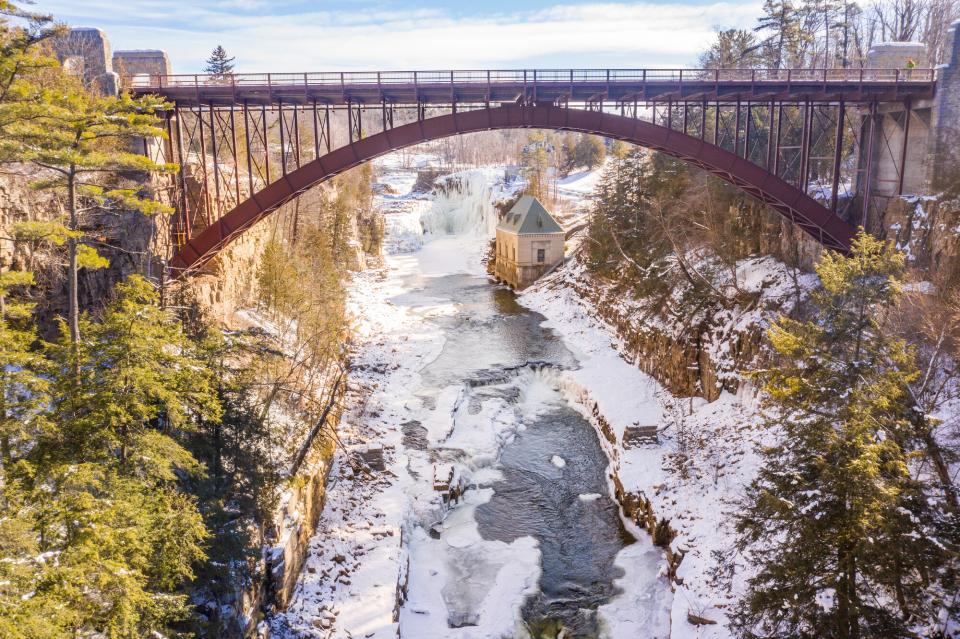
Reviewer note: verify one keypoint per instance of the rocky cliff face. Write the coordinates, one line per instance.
(925, 228)
(703, 348)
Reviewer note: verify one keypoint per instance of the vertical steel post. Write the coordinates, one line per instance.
(246, 137)
(746, 131)
(906, 140)
(669, 113)
(236, 160)
(716, 125)
(868, 183)
(805, 146)
(296, 136)
(684, 118)
(283, 143)
(837, 151)
(316, 131)
(266, 141)
(182, 160)
(772, 115)
(776, 145)
(703, 120)
(216, 161)
(736, 130)
(329, 132)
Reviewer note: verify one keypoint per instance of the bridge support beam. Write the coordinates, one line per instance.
(811, 216)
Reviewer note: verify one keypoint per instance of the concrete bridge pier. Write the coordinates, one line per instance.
(910, 147)
(945, 145)
(86, 53)
(894, 140)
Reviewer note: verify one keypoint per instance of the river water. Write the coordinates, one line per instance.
(547, 481)
(537, 496)
(467, 385)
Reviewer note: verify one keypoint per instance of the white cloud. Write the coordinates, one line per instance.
(590, 34)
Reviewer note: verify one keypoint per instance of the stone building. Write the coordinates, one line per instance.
(529, 243)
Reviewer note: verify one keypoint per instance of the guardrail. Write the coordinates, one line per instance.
(532, 77)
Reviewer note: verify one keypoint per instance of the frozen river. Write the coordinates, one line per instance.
(468, 384)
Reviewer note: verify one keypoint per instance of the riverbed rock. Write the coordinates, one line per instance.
(698, 619)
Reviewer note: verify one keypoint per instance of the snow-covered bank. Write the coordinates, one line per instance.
(692, 476)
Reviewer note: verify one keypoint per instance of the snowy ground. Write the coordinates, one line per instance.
(374, 531)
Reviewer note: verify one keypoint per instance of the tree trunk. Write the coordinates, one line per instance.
(843, 603)
(4, 435)
(853, 611)
(74, 312)
(939, 463)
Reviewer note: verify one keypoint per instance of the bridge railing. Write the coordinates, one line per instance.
(532, 77)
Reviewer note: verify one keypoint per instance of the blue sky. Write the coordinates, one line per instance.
(271, 35)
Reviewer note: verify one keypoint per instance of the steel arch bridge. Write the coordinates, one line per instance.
(793, 139)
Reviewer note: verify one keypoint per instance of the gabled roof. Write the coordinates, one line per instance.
(528, 216)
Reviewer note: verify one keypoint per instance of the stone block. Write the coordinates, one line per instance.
(85, 52)
(898, 55)
(634, 436)
(141, 62)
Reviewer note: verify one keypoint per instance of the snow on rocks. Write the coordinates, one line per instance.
(558, 461)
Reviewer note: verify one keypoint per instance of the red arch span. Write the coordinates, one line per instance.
(795, 205)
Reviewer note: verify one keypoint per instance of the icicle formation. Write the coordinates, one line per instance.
(464, 204)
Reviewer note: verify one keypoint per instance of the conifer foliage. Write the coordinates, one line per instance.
(99, 537)
(847, 540)
(83, 142)
(219, 64)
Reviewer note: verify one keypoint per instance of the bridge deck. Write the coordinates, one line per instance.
(548, 86)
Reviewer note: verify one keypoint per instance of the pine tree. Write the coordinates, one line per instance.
(23, 385)
(783, 23)
(844, 537)
(22, 61)
(101, 485)
(535, 162)
(589, 151)
(219, 64)
(83, 141)
(733, 49)
(141, 384)
(568, 154)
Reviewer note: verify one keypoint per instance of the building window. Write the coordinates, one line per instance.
(541, 255)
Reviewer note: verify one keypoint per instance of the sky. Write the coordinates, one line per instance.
(299, 36)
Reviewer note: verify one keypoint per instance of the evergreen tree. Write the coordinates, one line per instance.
(782, 22)
(535, 162)
(22, 62)
(733, 49)
(622, 230)
(846, 540)
(84, 141)
(589, 151)
(568, 154)
(219, 64)
(95, 535)
(23, 386)
(141, 384)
